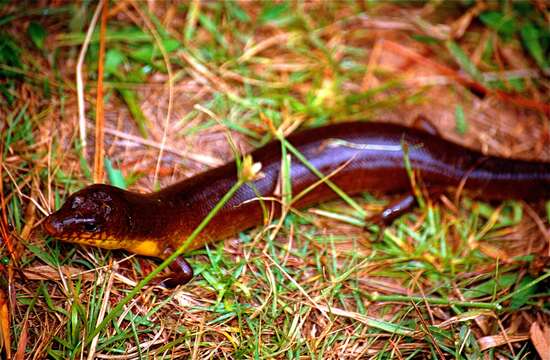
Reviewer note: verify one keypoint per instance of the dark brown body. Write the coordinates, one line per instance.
(149, 224)
(179, 208)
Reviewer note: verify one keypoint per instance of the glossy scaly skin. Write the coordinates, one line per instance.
(372, 159)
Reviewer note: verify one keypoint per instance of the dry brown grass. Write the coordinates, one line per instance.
(322, 288)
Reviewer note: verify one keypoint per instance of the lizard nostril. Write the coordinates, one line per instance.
(52, 226)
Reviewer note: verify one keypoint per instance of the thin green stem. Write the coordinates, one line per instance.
(435, 301)
(330, 184)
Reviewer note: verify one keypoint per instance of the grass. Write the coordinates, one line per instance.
(460, 279)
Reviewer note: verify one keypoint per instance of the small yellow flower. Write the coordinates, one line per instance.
(250, 170)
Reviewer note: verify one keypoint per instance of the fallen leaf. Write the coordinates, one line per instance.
(23, 340)
(45, 272)
(492, 341)
(540, 337)
(5, 338)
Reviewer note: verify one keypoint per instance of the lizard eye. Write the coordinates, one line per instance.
(90, 226)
